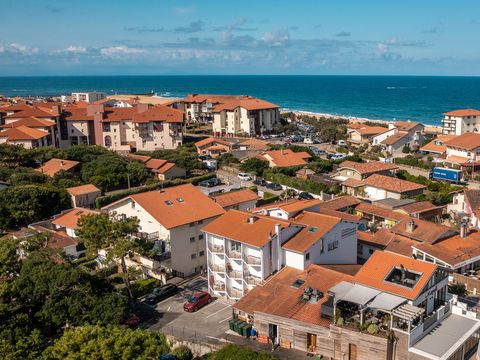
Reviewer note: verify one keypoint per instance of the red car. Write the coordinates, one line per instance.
(197, 301)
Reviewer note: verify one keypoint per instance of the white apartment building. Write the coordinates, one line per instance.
(458, 122)
(244, 249)
(464, 150)
(89, 97)
(173, 218)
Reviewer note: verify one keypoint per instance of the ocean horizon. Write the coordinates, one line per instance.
(376, 97)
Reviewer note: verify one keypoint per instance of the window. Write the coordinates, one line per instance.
(348, 232)
(333, 245)
(307, 256)
(200, 237)
(193, 256)
(370, 251)
(108, 141)
(191, 224)
(201, 253)
(133, 204)
(192, 239)
(200, 222)
(321, 246)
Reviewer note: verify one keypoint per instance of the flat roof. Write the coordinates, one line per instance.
(445, 338)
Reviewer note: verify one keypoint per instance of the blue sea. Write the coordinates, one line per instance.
(419, 98)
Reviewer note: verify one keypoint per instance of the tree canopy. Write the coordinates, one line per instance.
(254, 166)
(111, 342)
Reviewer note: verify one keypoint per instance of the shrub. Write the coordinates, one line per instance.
(183, 353)
(145, 286)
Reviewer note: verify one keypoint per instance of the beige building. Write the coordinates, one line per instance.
(173, 218)
(458, 122)
(84, 195)
(464, 150)
(88, 97)
(27, 137)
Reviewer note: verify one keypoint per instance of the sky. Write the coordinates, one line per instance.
(157, 37)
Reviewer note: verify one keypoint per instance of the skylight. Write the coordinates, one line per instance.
(168, 202)
(297, 283)
(402, 276)
(313, 229)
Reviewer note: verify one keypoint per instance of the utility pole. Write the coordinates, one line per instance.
(128, 180)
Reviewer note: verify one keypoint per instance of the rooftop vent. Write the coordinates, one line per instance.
(168, 202)
(311, 295)
(313, 229)
(411, 226)
(297, 283)
(252, 219)
(464, 227)
(180, 200)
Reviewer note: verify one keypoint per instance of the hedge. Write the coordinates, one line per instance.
(108, 199)
(143, 287)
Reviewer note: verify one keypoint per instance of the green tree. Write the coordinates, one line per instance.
(112, 342)
(254, 166)
(24, 204)
(113, 233)
(183, 353)
(236, 352)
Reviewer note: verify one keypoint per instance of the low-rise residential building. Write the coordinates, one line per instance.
(244, 248)
(53, 166)
(379, 216)
(289, 208)
(461, 121)
(164, 169)
(88, 97)
(407, 134)
(244, 200)
(359, 171)
(364, 134)
(319, 311)
(27, 137)
(464, 150)
(254, 144)
(438, 145)
(68, 220)
(344, 203)
(46, 125)
(84, 196)
(466, 203)
(285, 158)
(173, 218)
(213, 147)
(379, 187)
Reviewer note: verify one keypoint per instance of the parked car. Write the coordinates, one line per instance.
(209, 183)
(317, 151)
(131, 321)
(338, 156)
(274, 186)
(341, 143)
(204, 157)
(259, 182)
(161, 293)
(197, 301)
(305, 196)
(308, 140)
(244, 177)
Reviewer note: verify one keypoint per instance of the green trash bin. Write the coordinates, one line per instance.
(231, 322)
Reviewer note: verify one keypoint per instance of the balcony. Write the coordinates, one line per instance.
(216, 248)
(252, 280)
(149, 236)
(216, 267)
(233, 254)
(218, 286)
(234, 293)
(234, 274)
(253, 260)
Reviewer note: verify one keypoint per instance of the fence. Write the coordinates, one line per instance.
(472, 284)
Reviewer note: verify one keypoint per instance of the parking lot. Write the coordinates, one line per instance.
(207, 324)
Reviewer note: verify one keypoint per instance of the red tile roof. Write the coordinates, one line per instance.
(235, 197)
(341, 202)
(315, 227)
(423, 230)
(82, 189)
(394, 138)
(278, 297)
(23, 133)
(249, 103)
(175, 206)
(142, 158)
(69, 219)
(438, 145)
(235, 225)
(35, 112)
(377, 268)
(463, 112)
(286, 157)
(30, 122)
(211, 141)
(370, 130)
(392, 184)
(76, 114)
(467, 141)
(380, 212)
(159, 113)
(52, 166)
(368, 167)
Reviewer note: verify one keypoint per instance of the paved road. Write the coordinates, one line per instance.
(232, 178)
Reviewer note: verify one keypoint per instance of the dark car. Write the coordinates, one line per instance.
(274, 186)
(204, 157)
(197, 301)
(259, 182)
(305, 196)
(161, 293)
(131, 321)
(209, 183)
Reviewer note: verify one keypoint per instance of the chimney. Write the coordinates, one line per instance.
(411, 226)
(142, 108)
(62, 162)
(251, 219)
(98, 128)
(278, 232)
(464, 227)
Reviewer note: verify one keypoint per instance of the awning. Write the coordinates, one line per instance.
(408, 312)
(360, 294)
(385, 301)
(341, 289)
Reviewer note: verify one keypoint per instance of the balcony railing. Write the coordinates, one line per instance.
(233, 254)
(234, 274)
(149, 236)
(218, 286)
(252, 260)
(252, 280)
(233, 293)
(216, 248)
(217, 267)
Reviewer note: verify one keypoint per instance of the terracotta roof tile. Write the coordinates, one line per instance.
(368, 167)
(394, 138)
(377, 268)
(341, 202)
(423, 230)
(155, 164)
(463, 112)
(286, 157)
(438, 145)
(247, 102)
(235, 225)
(255, 144)
(30, 122)
(142, 158)
(159, 113)
(34, 111)
(175, 206)
(343, 215)
(235, 197)
(371, 130)
(278, 296)
(23, 133)
(406, 125)
(467, 141)
(211, 141)
(69, 219)
(315, 227)
(353, 183)
(379, 211)
(52, 166)
(82, 189)
(418, 207)
(165, 167)
(392, 184)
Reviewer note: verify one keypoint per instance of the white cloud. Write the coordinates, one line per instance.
(75, 49)
(276, 37)
(120, 50)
